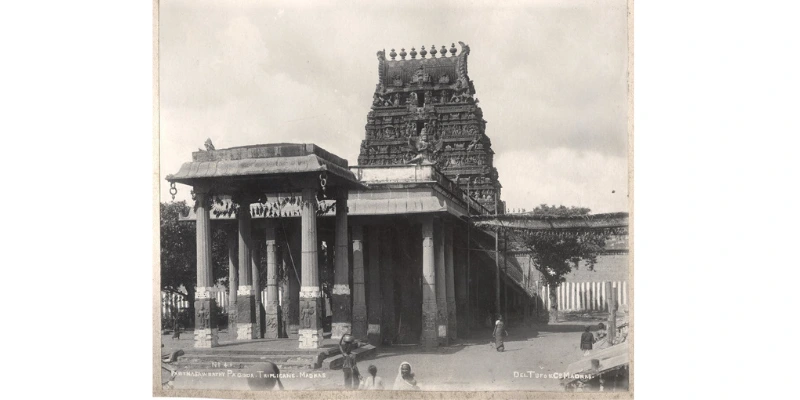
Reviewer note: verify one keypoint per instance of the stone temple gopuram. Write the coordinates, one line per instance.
(428, 103)
(394, 232)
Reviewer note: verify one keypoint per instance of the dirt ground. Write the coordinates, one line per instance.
(470, 364)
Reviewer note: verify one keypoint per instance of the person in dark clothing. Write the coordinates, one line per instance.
(586, 341)
(176, 334)
(351, 376)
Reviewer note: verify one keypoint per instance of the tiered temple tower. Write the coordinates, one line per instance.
(424, 109)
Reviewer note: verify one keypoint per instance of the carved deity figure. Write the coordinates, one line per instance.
(425, 149)
(412, 99)
(209, 145)
(306, 315)
(420, 76)
(202, 315)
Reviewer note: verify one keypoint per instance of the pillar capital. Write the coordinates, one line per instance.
(201, 188)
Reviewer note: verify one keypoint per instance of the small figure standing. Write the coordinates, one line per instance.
(176, 327)
(600, 336)
(586, 341)
(499, 333)
(349, 367)
(405, 378)
(372, 382)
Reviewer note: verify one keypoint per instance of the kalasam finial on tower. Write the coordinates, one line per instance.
(433, 51)
(446, 128)
(413, 53)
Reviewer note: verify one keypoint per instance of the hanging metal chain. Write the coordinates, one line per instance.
(173, 190)
(323, 182)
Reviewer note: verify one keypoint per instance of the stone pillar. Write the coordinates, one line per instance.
(441, 283)
(387, 286)
(245, 302)
(233, 279)
(462, 301)
(429, 314)
(342, 311)
(359, 328)
(205, 328)
(255, 261)
(450, 283)
(310, 332)
(271, 308)
(292, 266)
(374, 312)
(497, 275)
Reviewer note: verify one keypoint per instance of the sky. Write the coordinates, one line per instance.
(551, 76)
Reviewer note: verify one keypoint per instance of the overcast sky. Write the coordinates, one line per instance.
(551, 77)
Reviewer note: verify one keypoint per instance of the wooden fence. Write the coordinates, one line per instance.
(173, 302)
(583, 296)
(570, 296)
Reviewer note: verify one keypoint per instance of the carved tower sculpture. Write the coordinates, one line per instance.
(424, 110)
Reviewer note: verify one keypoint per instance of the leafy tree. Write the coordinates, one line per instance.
(179, 252)
(556, 252)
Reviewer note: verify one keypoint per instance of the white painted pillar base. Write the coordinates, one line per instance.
(244, 331)
(310, 338)
(206, 338)
(339, 329)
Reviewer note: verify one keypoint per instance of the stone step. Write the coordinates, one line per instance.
(226, 365)
(233, 359)
(362, 352)
(245, 358)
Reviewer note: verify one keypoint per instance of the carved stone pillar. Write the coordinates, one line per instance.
(387, 285)
(310, 333)
(255, 261)
(233, 278)
(342, 312)
(461, 283)
(245, 303)
(359, 328)
(441, 284)
(292, 260)
(205, 328)
(429, 314)
(450, 282)
(374, 312)
(271, 308)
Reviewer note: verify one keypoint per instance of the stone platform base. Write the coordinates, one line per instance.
(362, 352)
(339, 329)
(244, 331)
(206, 338)
(310, 338)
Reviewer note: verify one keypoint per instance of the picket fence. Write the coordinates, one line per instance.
(583, 296)
(570, 296)
(173, 302)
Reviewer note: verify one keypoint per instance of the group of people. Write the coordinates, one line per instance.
(588, 339)
(354, 380)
